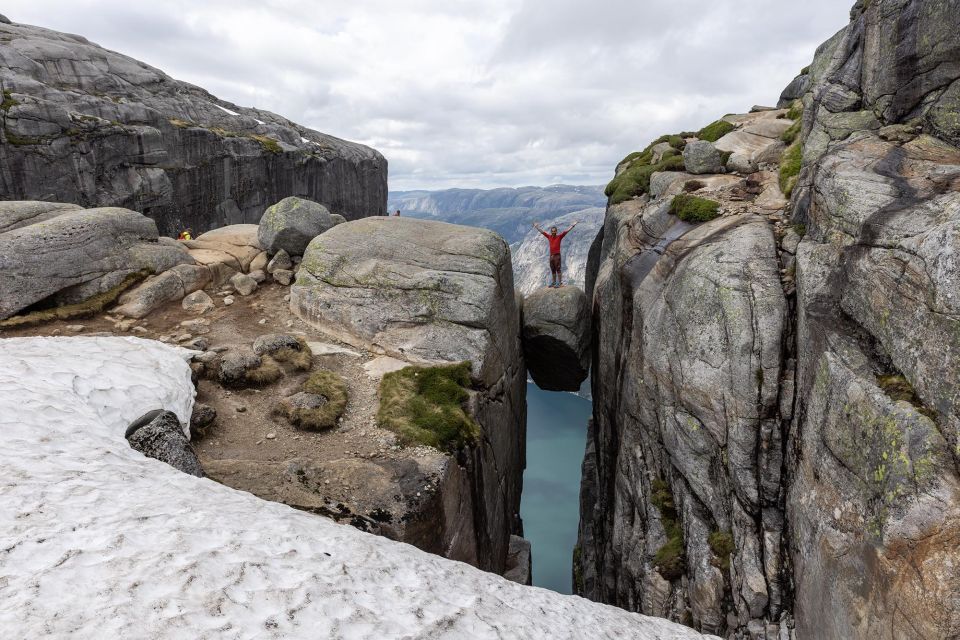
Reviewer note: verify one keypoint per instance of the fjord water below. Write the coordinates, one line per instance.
(550, 506)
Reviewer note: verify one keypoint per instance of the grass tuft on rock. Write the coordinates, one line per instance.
(670, 559)
(300, 359)
(790, 135)
(721, 543)
(635, 179)
(89, 307)
(715, 130)
(790, 168)
(8, 101)
(267, 373)
(268, 143)
(694, 209)
(426, 405)
(322, 383)
(796, 110)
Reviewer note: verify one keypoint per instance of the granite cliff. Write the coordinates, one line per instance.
(774, 448)
(88, 126)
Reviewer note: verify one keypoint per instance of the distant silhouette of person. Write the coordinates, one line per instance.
(397, 214)
(556, 271)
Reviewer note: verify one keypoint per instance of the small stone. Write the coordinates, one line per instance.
(228, 301)
(198, 302)
(241, 409)
(262, 321)
(286, 298)
(280, 261)
(259, 276)
(184, 337)
(140, 331)
(244, 284)
(271, 436)
(74, 328)
(283, 276)
(199, 344)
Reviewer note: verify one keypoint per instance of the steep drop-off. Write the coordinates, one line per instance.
(774, 448)
(85, 125)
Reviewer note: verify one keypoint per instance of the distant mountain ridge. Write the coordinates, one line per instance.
(507, 211)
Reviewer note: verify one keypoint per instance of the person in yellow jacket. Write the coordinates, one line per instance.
(185, 235)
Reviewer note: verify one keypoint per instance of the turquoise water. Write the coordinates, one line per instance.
(550, 506)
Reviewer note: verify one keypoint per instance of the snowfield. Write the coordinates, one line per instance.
(97, 541)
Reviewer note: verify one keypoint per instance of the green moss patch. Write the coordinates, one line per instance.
(300, 359)
(693, 209)
(323, 415)
(634, 181)
(796, 110)
(89, 307)
(715, 130)
(268, 143)
(670, 559)
(267, 373)
(721, 544)
(426, 405)
(8, 101)
(790, 168)
(790, 135)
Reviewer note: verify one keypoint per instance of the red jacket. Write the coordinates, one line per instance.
(554, 241)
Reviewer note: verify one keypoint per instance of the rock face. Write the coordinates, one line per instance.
(688, 323)
(434, 292)
(556, 338)
(74, 253)
(86, 125)
(162, 438)
(292, 223)
(818, 426)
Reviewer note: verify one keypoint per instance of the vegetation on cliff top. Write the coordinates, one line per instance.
(323, 383)
(426, 405)
(635, 179)
(790, 168)
(715, 130)
(694, 209)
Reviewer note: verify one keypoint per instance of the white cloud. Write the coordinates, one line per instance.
(465, 93)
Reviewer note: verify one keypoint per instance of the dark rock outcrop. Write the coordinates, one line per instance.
(556, 338)
(159, 435)
(86, 125)
(74, 253)
(431, 292)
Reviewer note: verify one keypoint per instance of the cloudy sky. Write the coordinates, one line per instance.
(471, 93)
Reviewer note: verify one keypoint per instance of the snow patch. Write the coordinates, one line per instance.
(225, 110)
(98, 541)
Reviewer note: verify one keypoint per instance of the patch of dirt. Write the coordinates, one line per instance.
(355, 472)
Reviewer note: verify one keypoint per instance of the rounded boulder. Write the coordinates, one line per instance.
(556, 338)
(292, 223)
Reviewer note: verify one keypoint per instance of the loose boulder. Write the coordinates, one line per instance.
(166, 287)
(198, 302)
(280, 261)
(244, 284)
(159, 435)
(292, 223)
(556, 338)
(92, 249)
(700, 157)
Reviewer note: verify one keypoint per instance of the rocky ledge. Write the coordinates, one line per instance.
(428, 293)
(82, 124)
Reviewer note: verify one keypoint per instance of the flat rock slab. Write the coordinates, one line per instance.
(556, 337)
(379, 367)
(328, 349)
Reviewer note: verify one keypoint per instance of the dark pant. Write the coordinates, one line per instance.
(555, 265)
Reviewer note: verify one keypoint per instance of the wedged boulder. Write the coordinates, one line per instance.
(159, 435)
(429, 292)
(89, 250)
(701, 157)
(556, 337)
(174, 284)
(292, 223)
(235, 245)
(519, 564)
